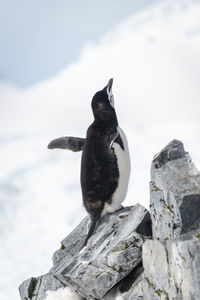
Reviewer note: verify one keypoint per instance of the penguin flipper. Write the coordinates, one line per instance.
(67, 142)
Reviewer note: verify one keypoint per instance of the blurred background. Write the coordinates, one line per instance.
(54, 55)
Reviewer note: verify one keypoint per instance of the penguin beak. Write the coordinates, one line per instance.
(109, 85)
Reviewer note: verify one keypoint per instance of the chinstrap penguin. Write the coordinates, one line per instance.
(105, 163)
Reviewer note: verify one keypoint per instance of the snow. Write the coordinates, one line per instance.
(62, 294)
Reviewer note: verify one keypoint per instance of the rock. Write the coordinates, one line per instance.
(172, 261)
(174, 194)
(113, 251)
(129, 288)
(35, 288)
(27, 288)
(136, 290)
(171, 270)
(120, 260)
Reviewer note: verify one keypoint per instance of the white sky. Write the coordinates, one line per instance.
(154, 58)
(38, 38)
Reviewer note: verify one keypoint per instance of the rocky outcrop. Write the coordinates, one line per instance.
(174, 194)
(171, 270)
(121, 259)
(113, 251)
(35, 288)
(172, 260)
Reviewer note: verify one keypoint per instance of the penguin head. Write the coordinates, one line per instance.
(103, 102)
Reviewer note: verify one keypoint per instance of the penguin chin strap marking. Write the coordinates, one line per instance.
(110, 97)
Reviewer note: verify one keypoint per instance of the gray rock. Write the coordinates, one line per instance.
(136, 290)
(171, 270)
(26, 289)
(112, 252)
(129, 288)
(35, 288)
(110, 266)
(174, 194)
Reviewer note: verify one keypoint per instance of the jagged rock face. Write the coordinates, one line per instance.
(172, 264)
(35, 288)
(174, 194)
(114, 250)
(129, 288)
(112, 265)
(171, 270)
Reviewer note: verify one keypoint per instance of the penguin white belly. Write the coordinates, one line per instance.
(123, 161)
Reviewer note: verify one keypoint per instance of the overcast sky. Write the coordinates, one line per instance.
(39, 38)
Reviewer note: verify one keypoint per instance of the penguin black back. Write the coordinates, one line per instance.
(99, 170)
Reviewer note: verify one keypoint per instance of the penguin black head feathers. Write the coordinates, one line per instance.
(103, 102)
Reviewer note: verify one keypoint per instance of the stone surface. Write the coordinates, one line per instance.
(134, 293)
(35, 288)
(174, 194)
(27, 288)
(120, 260)
(171, 270)
(129, 288)
(113, 251)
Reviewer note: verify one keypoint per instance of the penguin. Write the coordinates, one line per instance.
(105, 161)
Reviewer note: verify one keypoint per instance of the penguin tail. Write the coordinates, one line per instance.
(93, 224)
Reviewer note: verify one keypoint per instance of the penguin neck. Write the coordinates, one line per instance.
(106, 119)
